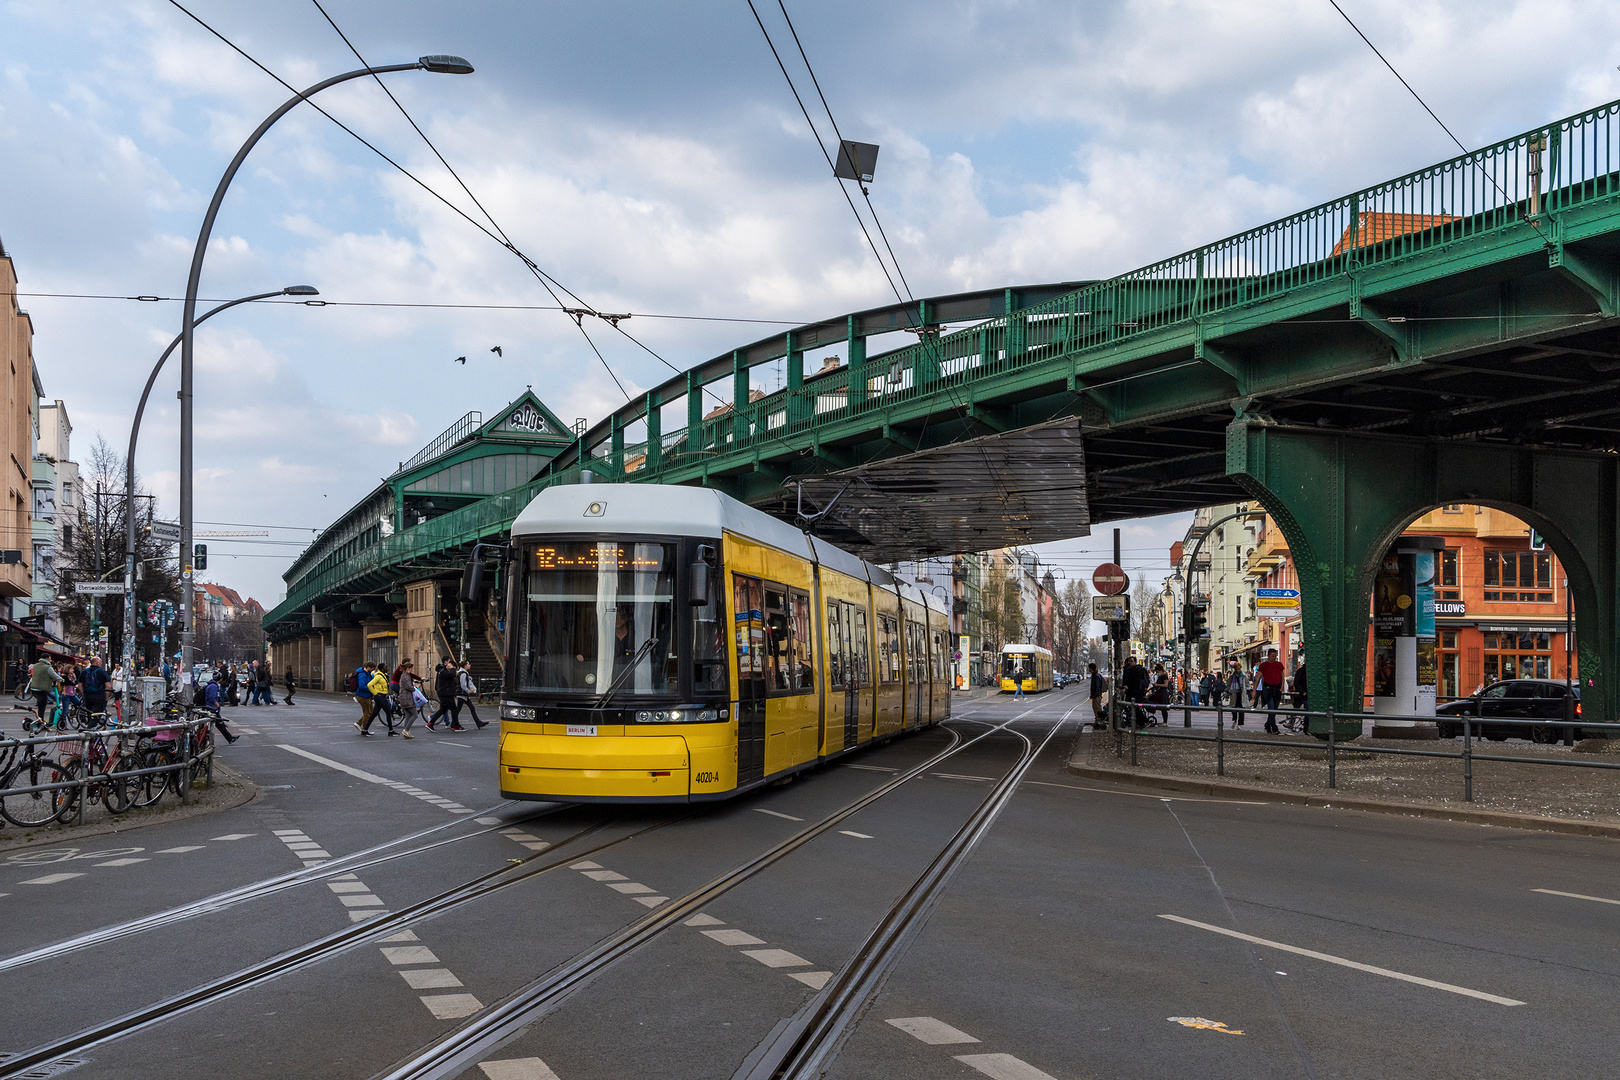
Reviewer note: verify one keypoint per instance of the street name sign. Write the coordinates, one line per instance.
(1110, 579)
(99, 588)
(162, 530)
(1111, 608)
(1277, 604)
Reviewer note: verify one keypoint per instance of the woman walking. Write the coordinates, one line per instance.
(1234, 687)
(445, 688)
(467, 690)
(291, 682)
(411, 700)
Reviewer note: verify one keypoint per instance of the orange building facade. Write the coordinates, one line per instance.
(1499, 600)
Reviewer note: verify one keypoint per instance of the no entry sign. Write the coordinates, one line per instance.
(1110, 579)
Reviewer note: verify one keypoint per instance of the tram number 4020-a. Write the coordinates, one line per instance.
(706, 778)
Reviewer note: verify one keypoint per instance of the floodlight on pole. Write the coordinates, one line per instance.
(438, 63)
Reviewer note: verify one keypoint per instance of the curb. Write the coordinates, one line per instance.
(1500, 818)
(250, 793)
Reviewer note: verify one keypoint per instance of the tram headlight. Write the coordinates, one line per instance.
(510, 711)
(676, 716)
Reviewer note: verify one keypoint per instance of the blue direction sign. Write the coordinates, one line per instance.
(1289, 594)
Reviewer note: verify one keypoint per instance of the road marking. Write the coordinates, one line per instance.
(233, 836)
(726, 937)
(773, 813)
(49, 879)
(815, 980)
(704, 920)
(179, 850)
(1204, 1025)
(1003, 1067)
(366, 913)
(288, 832)
(651, 901)
(1342, 962)
(451, 1006)
(121, 862)
(871, 768)
(957, 776)
(1577, 896)
(518, 1069)
(585, 866)
(927, 1029)
(856, 835)
(630, 888)
(776, 958)
(491, 821)
(605, 875)
(403, 935)
(447, 742)
(366, 899)
(410, 954)
(429, 978)
(373, 778)
(348, 886)
(1139, 795)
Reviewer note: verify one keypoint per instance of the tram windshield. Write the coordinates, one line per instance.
(1017, 664)
(597, 616)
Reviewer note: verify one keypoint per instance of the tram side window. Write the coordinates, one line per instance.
(863, 648)
(778, 641)
(709, 640)
(835, 639)
(888, 649)
(804, 649)
(940, 671)
(750, 628)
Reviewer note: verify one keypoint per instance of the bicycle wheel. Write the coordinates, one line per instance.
(118, 790)
(34, 808)
(152, 785)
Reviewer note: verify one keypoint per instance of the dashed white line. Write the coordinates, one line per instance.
(773, 813)
(409, 954)
(451, 1006)
(181, 850)
(776, 958)
(1342, 962)
(233, 836)
(856, 835)
(815, 980)
(704, 920)
(1003, 1067)
(931, 1031)
(1577, 896)
(429, 978)
(630, 888)
(121, 862)
(605, 875)
(733, 937)
(651, 901)
(373, 778)
(49, 879)
(518, 1069)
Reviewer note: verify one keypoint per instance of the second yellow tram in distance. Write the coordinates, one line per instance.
(1029, 664)
(671, 644)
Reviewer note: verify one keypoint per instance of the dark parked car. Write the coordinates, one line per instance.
(1515, 699)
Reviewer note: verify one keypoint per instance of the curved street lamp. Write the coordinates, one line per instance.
(441, 64)
(129, 480)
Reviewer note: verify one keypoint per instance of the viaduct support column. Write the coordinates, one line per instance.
(1342, 499)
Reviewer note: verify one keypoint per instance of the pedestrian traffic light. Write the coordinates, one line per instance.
(199, 557)
(1197, 623)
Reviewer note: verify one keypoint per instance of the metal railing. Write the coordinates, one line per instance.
(14, 750)
(1126, 735)
(457, 432)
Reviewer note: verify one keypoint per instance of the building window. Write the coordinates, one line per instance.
(1509, 575)
(1510, 655)
(1448, 584)
(1453, 508)
(1450, 664)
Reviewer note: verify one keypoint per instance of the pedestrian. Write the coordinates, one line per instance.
(1160, 695)
(468, 692)
(42, 679)
(1234, 690)
(1096, 687)
(411, 700)
(1301, 689)
(362, 695)
(1270, 684)
(117, 684)
(1018, 683)
(1136, 680)
(380, 701)
(211, 699)
(291, 682)
(445, 688)
(93, 683)
(267, 684)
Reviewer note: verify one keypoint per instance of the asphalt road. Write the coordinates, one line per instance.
(1094, 931)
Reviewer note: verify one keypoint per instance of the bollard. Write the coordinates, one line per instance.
(1333, 751)
(1220, 743)
(1133, 741)
(1569, 720)
(1468, 760)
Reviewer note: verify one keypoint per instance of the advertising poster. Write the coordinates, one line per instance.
(1428, 669)
(1393, 614)
(1423, 567)
(1383, 678)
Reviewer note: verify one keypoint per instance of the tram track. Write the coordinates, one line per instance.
(508, 1018)
(541, 996)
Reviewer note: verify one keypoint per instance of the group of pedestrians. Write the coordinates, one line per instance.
(400, 696)
(88, 684)
(1234, 689)
(254, 681)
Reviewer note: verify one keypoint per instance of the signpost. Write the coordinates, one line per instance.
(1277, 605)
(99, 588)
(162, 530)
(1110, 579)
(1112, 609)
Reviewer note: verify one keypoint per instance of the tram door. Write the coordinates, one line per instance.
(917, 667)
(852, 674)
(750, 603)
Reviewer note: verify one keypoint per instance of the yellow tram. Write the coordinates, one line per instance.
(671, 644)
(1028, 664)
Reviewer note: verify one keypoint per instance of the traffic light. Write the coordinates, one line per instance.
(1197, 623)
(199, 557)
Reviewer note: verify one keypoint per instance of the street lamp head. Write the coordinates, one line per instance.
(445, 65)
(300, 290)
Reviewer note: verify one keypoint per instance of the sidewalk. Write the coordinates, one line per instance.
(1523, 796)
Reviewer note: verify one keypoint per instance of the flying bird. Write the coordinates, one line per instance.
(459, 360)
(496, 349)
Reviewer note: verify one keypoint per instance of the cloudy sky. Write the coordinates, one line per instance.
(650, 157)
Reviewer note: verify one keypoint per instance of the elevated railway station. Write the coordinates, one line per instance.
(1451, 335)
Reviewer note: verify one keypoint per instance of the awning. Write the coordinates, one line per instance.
(26, 631)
